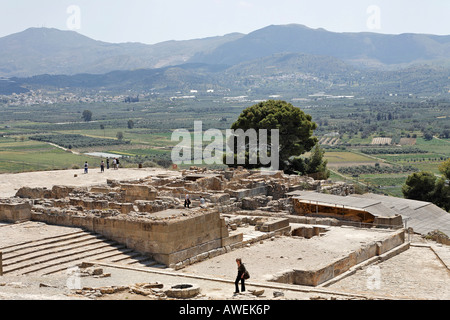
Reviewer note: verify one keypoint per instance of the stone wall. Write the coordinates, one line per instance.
(168, 241)
(245, 193)
(12, 211)
(57, 192)
(133, 192)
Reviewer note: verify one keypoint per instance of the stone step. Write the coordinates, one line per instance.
(125, 259)
(25, 252)
(145, 262)
(57, 254)
(52, 251)
(120, 251)
(66, 256)
(122, 256)
(30, 244)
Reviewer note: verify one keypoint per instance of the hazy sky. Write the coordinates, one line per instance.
(152, 21)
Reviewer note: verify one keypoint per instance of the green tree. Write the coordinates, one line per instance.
(441, 194)
(444, 168)
(130, 124)
(317, 165)
(428, 136)
(295, 128)
(119, 135)
(420, 186)
(87, 115)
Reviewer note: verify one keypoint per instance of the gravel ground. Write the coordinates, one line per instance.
(10, 183)
(414, 274)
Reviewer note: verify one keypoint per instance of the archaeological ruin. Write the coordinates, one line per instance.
(149, 218)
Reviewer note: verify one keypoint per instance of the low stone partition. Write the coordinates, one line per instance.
(57, 192)
(89, 204)
(337, 267)
(155, 206)
(246, 193)
(124, 208)
(12, 211)
(169, 237)
(133, 192)
(272, 225)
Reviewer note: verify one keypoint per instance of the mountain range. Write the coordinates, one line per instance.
(51, 57)
(38, 51)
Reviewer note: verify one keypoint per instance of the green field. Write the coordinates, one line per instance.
(336, 159)
(388, 183)
(23, 156)
(155, 118)
(437, 146)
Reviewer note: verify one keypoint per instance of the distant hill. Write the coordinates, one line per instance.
(174, 78)
(38, 51)
(276, 58)
(8, 87)
(360, 48)
(280, 73)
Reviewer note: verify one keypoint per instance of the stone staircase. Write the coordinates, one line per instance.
(56, 254)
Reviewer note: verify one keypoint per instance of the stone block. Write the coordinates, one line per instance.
(133, 192)
(220, 198)
(15, 212)
(34, 193)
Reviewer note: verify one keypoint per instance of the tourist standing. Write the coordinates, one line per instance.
(86, 167)
(102, 166)
(241, 276)
(107, 163)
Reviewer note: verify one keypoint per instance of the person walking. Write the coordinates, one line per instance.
(241, 276)
(102, 166)
(187, 201)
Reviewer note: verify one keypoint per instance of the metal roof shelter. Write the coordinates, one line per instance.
(422, 216)
(376, 206)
